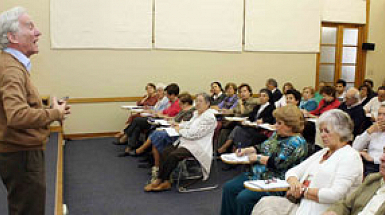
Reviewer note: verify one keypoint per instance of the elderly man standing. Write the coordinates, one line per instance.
(372, 141)
(24, 122)
(353, 107)
(369, 198)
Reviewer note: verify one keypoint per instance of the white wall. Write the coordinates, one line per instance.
(120, 73)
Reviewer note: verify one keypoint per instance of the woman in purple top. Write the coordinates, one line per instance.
(231, 99)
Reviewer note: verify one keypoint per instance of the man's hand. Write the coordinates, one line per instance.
(366, 156)
(62, 106)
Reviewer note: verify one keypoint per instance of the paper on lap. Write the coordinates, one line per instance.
(232, 157)
(260, 184)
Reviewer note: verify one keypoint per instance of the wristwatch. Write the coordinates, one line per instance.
(259, 158)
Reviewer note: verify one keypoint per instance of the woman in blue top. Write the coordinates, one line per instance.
(231, 99)
(282, 151)
(308, 101)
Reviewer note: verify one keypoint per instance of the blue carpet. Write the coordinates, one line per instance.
(97, 182)
(51, 163)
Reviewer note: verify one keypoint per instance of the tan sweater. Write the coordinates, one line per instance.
(24, 122)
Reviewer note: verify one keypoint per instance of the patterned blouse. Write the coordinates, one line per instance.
(284, 153)
(229, 102)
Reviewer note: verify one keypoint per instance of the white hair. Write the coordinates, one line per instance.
(9, 22)
(339, 122)
(160, 86)
(356, 92)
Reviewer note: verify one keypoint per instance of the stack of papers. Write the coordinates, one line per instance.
(261, 184)
(171, 132)
(233, 158)
(236, 119)
(264, 125)
(161, 122)
(312, 120)
(145, 114)
(131, 107)
(267, 127)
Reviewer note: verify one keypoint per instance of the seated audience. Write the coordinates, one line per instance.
(217, 94)
(160, 105)
(367, 199)
(340, 89)
(352, 106)
(246, 103)
(244, 106)
(195, 140)
(187, 110)
(249, 135)
(308, 102)
(159, 139)
(374, 104)
(369, 82)
(317, 96)
(162, 99)
(231, 99)
(325, 177)
(282, 101)
(328, 102)
(272, 85)
(371, 142)
(283, 150)
(293, 97)
(150, 98)
(140, 124)
(366, 94)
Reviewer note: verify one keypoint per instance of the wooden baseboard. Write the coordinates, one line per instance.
(88, 135)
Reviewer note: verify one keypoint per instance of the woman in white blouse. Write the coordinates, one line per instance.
(195, 140)
(325, 177)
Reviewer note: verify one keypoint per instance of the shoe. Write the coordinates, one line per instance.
(144, 165)
(162, 187)
(115, 142)
(123, 154)
(132, 153)
(150, 187)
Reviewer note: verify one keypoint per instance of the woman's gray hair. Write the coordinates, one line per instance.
(9, 22)
(339, 122)
(160, 86)
(205, 96)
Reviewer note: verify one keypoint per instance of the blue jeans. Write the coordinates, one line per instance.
(237, 200)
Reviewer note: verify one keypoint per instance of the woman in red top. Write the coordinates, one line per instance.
(328, 102)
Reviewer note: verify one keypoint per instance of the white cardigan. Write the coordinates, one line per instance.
(340, 175)
(196, 135)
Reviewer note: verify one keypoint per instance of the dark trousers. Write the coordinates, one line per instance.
(370, 167)
(138, 125)
(169, 160)
(248, 136)
(23, 174)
